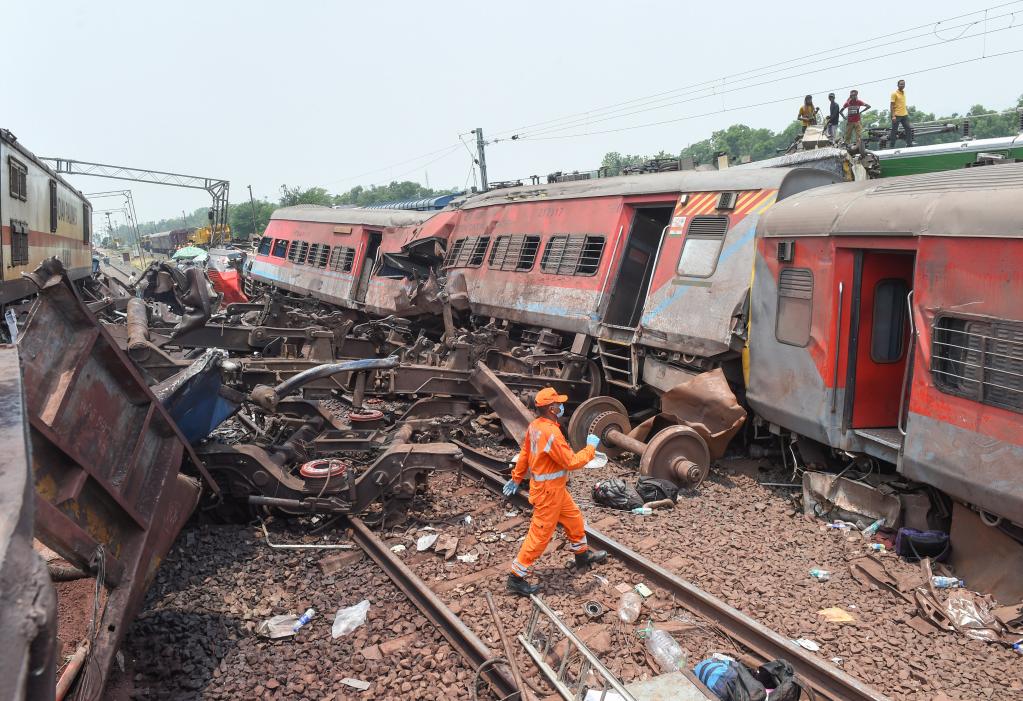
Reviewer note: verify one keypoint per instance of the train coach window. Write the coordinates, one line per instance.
(321, 259)
(280, 248)
(887, 337)
(18, 173)
(980, 359)
(341, 259)
(19, 242)
(314, 253)
(514, 253)
(264, 245)
(795, 306)
(293, 250)
(702, 247)
(467, 252)
(575, 254)
(86, 222)
(53, 206)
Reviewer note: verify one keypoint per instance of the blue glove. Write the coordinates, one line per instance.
(592, 440)
(510, 487)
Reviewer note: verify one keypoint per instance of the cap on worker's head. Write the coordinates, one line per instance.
(548, 395)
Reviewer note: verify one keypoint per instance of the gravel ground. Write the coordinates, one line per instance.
(747, 545)
(195, 639)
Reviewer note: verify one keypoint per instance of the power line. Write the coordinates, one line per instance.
(775, 101)
(730, 77)
(858, 60)
(394, 165)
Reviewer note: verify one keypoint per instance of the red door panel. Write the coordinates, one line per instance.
(882, 344)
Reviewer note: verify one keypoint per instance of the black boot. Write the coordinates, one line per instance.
(590, 557)
(519, 585)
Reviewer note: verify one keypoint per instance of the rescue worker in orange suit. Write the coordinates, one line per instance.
(547, 458)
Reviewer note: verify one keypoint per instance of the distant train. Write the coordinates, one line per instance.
(41, 215)
(167, 242)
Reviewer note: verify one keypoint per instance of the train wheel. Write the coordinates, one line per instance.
(679, 454)
(590, 414)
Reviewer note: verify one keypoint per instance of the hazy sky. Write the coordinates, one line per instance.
(333, 93)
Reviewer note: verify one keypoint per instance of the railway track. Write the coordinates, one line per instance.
(826, 681)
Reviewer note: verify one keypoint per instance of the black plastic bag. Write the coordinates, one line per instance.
(915, 545)
(779, 676)
(654, 489)
(616, 494)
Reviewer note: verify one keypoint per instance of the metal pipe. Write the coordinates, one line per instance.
(619, 439)
(838, 351)
(137, 324)
(610, 265)
(70, 673)
(909, 363)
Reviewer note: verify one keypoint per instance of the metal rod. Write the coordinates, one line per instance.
(621, 440)
(909, 363)
(288, 546)
(508, 652)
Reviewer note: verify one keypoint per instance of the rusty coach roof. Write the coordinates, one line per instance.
(352, 215)
(654, 183)
(982, 201)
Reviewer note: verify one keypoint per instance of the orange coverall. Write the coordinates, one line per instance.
(548, 458)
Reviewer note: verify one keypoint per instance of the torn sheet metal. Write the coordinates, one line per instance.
(706, 404)
(105, 457)
(832, 497)
(988, 559)
(28, 604)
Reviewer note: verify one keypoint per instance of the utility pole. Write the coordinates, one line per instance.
(482, 159)
(253, 203)
(184, 219)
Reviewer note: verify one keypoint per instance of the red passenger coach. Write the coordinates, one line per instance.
(886, 320)
(331, 254)
(649, 273)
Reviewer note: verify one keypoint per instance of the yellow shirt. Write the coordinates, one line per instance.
(899, 100)
(806, 115)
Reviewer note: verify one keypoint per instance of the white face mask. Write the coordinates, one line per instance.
(561, 410)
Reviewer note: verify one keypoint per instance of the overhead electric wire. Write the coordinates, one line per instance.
(788, 98)
(739, 88)
(758, 71)
(395, 165)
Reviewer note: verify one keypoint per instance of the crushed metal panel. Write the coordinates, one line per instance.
(834, 497)
(106, 459)
(28, 603)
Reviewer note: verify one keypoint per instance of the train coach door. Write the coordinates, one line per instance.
(625, 305)
(881, 339)
(368, 261)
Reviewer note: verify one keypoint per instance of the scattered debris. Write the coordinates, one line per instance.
(468, 557)
(348, 619)
(426, 541)
(281, 626)
(837, 498)
(643, 590)
(398, 549)
(629, 607)
(836, 615)
(355, 683)
(807, 644)
(446, 546)
(820, 575)
(593, 609)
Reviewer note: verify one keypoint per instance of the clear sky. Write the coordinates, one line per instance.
(333, 93)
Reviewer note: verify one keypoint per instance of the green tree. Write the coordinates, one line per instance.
(614, 163)
(240, 217)
(291, 196)
(393, 192)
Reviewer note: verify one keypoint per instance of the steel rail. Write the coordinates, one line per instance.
(429, 604)
(826, 680)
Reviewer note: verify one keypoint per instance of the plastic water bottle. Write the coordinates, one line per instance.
(1018, 647)
(838, 526)
(305, 618)
(642, 511)
(820, 575)
(668, 653)
(946, 582)
(629, 606)
(877, 547)
(872, 528)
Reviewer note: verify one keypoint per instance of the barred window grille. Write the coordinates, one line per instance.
(293, 250)
(574, 254)
(314, 252)
(980, 359)
(324, 255)
(341, 259)
(264, 245)
(702, 247)
(19, 242)
(280, 248)
(303, 251)
(467, 252)
(516, 252)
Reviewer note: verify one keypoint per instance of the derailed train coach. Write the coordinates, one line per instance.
(886, 321)
(648, 275)
(335, 255)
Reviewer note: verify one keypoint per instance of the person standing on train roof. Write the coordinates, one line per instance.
(832, 128)
(854, 117)
(807, 113)
(547, 459)
(900, 115)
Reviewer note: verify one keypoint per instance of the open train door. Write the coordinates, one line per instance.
(879, 345)
(361, 285)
